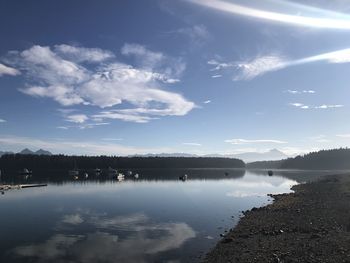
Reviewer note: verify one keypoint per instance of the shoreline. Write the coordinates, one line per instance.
(310, 225)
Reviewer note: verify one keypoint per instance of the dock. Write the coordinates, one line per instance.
(6, 187)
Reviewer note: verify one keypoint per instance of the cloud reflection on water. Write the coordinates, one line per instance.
(132, 238)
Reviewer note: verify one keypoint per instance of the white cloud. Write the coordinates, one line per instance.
(262, 64)
(5, 70)
(291, 13)
(60, 74)
(77, 118)
(324, 106)
(191, 144)
(301, 91)
(81, 54)
(244, 141)
(207, 101)
(2, 121)
(216, 76)
(343, 135)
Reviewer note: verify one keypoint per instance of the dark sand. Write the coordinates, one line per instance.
(310, 225)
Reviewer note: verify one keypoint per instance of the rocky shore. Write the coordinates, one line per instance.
(310, 225)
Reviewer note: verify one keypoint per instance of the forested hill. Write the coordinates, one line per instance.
(336, 159)
(16, 161)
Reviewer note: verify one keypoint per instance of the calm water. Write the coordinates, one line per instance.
(154, 219)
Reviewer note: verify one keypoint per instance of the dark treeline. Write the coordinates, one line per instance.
(265, 165)
(336, 159)
(19, 161)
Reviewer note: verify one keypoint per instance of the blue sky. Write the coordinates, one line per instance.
(194, 76)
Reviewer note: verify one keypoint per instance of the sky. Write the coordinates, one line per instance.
(174, 76)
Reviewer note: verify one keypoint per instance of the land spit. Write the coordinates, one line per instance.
(310, 225)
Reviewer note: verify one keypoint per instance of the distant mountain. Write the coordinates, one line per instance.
(26, 151)
(271, 155)
(43, 152)
(38, 152)
(3, 153)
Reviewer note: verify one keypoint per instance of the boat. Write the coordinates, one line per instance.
(25, 172)
(129, 173)
(75, 177)
(97, 171)
(136, 176)
(270, 172)
(120, 177)
(184, 177)
(86, 175)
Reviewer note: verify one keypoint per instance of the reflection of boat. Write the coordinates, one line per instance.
(270, 172)
(26, 172)
(97, 171)
(183, 178)
(112, 172)
(75, 171)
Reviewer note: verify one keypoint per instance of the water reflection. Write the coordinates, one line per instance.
(108, 243)
(154, 219)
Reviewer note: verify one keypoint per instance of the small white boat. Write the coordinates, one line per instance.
(136, 176)
(86, 175)
(120, 177)
(75, 177)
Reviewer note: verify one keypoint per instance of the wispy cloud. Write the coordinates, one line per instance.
(75, 147)
(262, 64)
(301, 91)
(291, 13)
(245, 141)
(198, 34)
(77, 118)
(324, 106)
(207, 101)
(2, 121)
(5, 70)
(112, 139)
(343, 135)
(191, 144)
(91, 77)
(216, 76)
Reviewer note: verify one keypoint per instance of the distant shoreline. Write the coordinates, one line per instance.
(310, 225)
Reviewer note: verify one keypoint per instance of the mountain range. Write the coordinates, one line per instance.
(247, 157)
(27, 151)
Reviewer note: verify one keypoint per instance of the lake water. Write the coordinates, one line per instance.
(156, 218)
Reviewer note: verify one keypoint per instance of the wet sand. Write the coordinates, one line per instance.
(310, 225)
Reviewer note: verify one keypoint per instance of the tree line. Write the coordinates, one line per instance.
(20, 161)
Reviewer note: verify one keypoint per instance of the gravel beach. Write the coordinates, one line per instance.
(310, 225)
